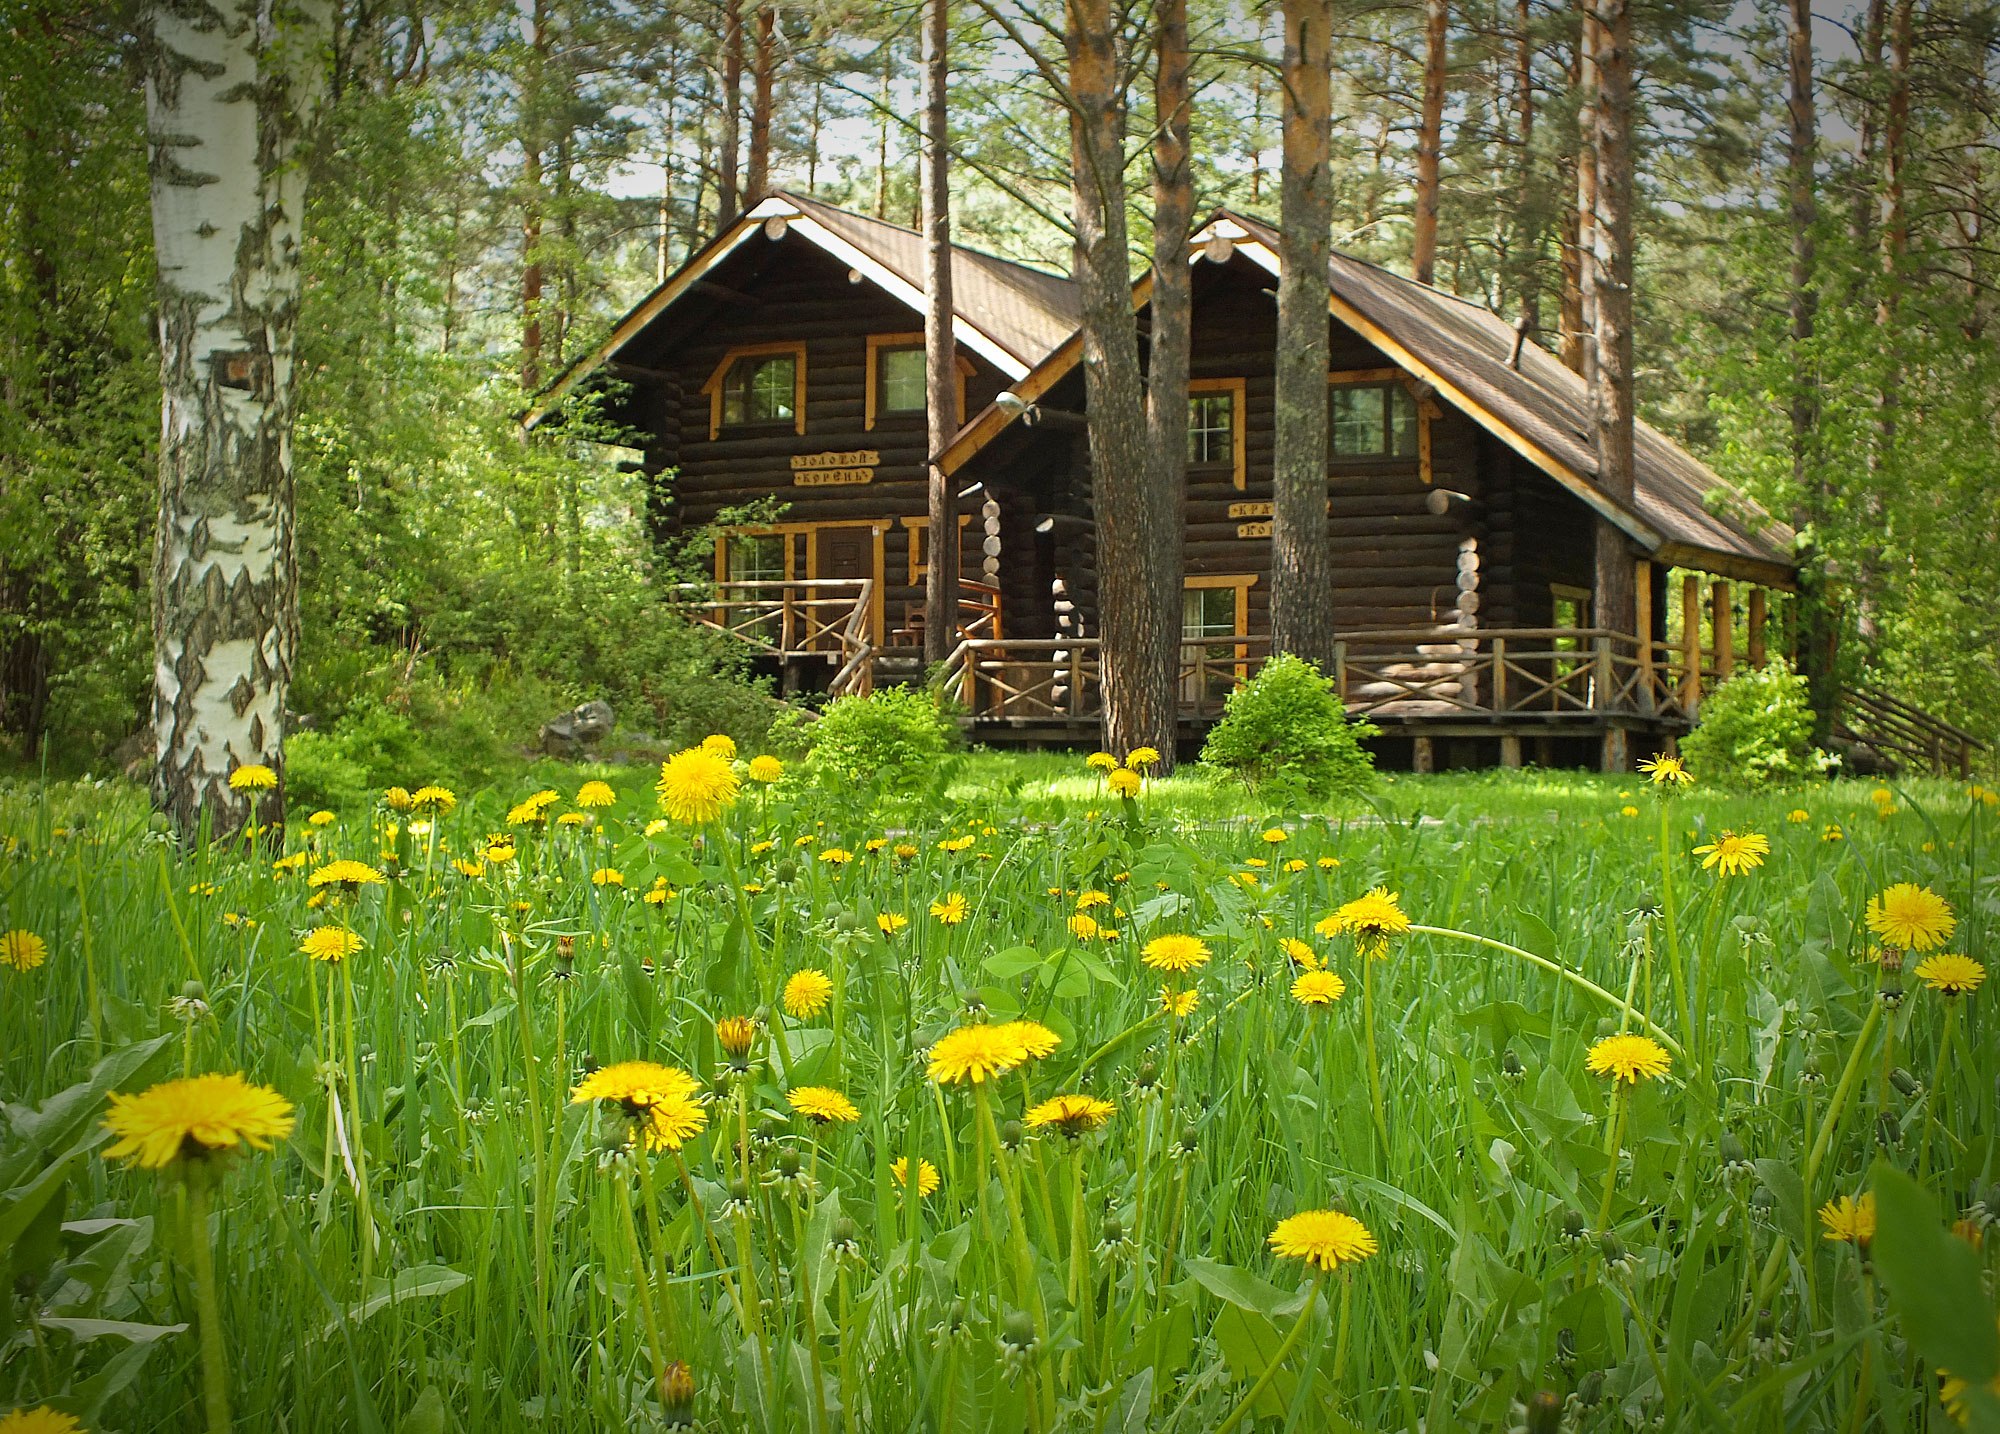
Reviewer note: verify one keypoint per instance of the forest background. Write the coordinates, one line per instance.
(493, 183)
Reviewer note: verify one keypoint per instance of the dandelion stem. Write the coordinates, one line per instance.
(1249, 1401)
(1374, 1064)
(1582, 983)
(642, 1288)
(214, 1360)
(1614, 1138)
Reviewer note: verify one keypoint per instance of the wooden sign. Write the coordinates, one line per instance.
(1250, 510)
(834, 470)
(1260, 529)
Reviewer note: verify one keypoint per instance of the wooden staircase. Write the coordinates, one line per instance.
(1903, 737)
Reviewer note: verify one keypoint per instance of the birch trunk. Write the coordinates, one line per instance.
(230, 94)
(1430, 140)
(1134, 635)
(1609, 299)
(1302, 614)
(940, 350)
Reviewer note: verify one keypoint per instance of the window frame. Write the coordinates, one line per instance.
(920, 553)
(878, 344)
(1242, 583)
(1239, 466)
(718, 381)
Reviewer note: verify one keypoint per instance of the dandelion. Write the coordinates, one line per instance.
(23, 950)
(433, 799)
(1628, 811)
(1847, 1220)
(765, 770)
(397, 799)
(39, 1420)
(254, 777)
(1140, 758)
(500, 851)
(836, 856)
(807, 993)
(345, 876)
(822, 1105)
(1179, 1004)
(1734, 853)
(1035, 1039)
(975, 1054)
(736, 1035)
(663, 1103)
(951, 910)
(1318, 989)
(1176, 953)
(1951, 975)
(468, 866)
(1327, 863)
(721, 744)
(572, 819)
(954, 845)
(1274, 835)
(903, 851)
(1951, 1393)
(1324, 1239)
(596, 794)
(1072, 1115)
(287, 865)
(607, 876)
(928, 1179)
(890, 922)
(697, 786)
(527, 814)
(1124, 782)
(1082, 925)
(332, 944)
(1100, 762)
(1299, 953)
(1798, 816)
(194, 1118)
(321, 818)
(1911, 917)
(1086, 900)
(1372, 920)
(1668, 772)
(1628, 1058)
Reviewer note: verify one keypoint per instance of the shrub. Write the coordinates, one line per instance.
(893, 740)
(1756, 731)
(319, 773)
(1285, 731)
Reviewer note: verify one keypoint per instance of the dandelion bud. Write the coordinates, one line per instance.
(1544, 1413)
(1511, 1067)
(1906, 1084)
(1017, 1337)
(1148, 1076)
(973, 1002)
(1189, 1142)
(786, 872)
(1112, 1236)
(677, 1395)
(1010, 1134)
(586, 1063)
(1809, 1072)
(566, 948)
(1590, 1390)
(1888, 1130)
(1735, 1159)
(845, 920)
(1762, 1202)
(845, 1238)
(1606, 1027)
(1892, 960)
(1573, 1228)
(789, 1164)
(736, 1033)
(1616, 1256)
(1891, 990)
(1566, 1347)
(193, 991)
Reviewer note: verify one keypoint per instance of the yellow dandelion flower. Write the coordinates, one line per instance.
(1734, 853)
(349, 876)
(822, 1105)
(903, 851)
(1100, 762)
(836, 856)
(1273, 835)
(1296, 864)
(23, 950)
(1833, 833)
(1035, 1039)
(193, 1117)
(663, 1103)
(1952, 1391)
(1179, 1003)
(607, 876)
(1911, 917)
(1798, 816)
(807, 993)
(1324, 1239)
(1124, 782)
(39, 1420)
(1327, 863)
(1085, 900)
(1176, 953)
(526, 814)
(332, 944)
(1140, 758)
(1667, 772)
(1082, 925)
(286, 865)
(1073, 1115)
(1299, 952)
(572, 819)
(736, 1034)
(433, 799)
(1848, 1220)
(1951, 975)
(468, 866)
(397, 799)
(1373, 920)
(952, 909)
(956, 844)
(1318, 988)
(596, 794)
(928, 1179)
(975, 1054)
(321, 818)
(253, 777)
(499, 853)
(1628, 811)
(765, 769)
(697, 786)
(721, 744)
(890, 922)
(1628, 1058)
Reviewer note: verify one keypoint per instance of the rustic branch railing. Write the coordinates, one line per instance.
(1903, 734)
(795, 617)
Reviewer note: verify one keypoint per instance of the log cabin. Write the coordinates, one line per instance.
(775, 388)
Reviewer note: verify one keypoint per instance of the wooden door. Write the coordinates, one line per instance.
(845, 553)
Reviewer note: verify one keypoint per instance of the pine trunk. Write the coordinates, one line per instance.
(1302, 616)
(763, 65)
(1528, 221)
(728, 197)
(1136, 638)
(1430, 140)
(229, 98)
(941, 585)
(1609, 292)
(1168, 354)
(533, 275)
(1580, 349)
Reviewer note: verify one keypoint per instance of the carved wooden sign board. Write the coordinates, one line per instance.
(834, 470)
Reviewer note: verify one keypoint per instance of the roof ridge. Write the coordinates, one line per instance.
(970, 251)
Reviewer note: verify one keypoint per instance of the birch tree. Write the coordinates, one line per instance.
(230, 91)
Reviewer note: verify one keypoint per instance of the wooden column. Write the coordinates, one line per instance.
(1510, 751)
(1690, 643)
(1722, 617)
(1423, 756)
(1756, 627)
(1642, 594)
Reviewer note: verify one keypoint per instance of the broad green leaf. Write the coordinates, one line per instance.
(85, 1330)
(416, 1282)
(426, 1416)
(1789, 1194)
(1014, 961)
(1535, 935)
(1933, 1280)
(1244, 1290)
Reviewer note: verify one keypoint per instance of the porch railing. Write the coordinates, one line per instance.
(829, 618)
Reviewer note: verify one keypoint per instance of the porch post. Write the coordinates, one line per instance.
(1690, 644)
(1757, 627)
(1642, 592)
(1723, 619)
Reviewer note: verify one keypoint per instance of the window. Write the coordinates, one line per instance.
(1208, 612)
(1215, 607)
(756, 558)
(1376, 420)
(901, 373)
(1215, 426)
(761, 390)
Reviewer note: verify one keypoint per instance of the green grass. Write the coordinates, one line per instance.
(1120, 1282)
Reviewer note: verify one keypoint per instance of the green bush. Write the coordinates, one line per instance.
(1285, 732)
(1756, 731)
(895, 740)
(320, 773)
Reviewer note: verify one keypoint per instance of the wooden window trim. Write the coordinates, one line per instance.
(713, 388)
(871, 402)
(920, 529)
(1242, 582)
(1238, 422)
(1427, 408)
(881, 526)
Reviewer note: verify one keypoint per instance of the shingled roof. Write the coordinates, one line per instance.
(1008, 313)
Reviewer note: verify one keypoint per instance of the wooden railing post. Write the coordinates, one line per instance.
(1723, 620)
(1600, 676)
(1642, 590)
(1340, 671)
(1691, 645)
(1499, 647)
(1756, 627)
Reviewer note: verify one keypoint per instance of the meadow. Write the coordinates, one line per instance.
(717, 1098)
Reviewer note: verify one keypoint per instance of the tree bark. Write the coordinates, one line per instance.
(1430, 140)
(230, 97)
(1134, 635)
(763, 64)
(1302, 616)
(1529, 221)
(1893, 242)
(941, 585)
(1581, 354)
(533, 278)
(728, 197)
(1609, 294)
(1171, 339)
(1810, 509)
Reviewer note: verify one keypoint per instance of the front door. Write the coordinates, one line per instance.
(846, 554)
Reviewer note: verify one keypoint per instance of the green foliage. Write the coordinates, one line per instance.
(894, 740)
(1285, 732)
(1756, 731)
